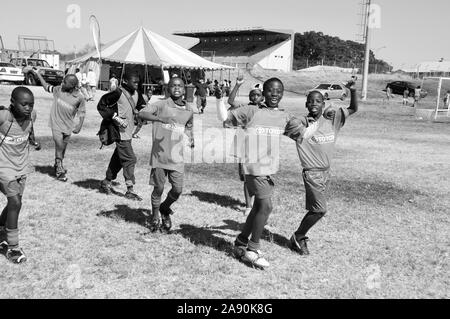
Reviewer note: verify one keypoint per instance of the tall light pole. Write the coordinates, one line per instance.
(367, 51)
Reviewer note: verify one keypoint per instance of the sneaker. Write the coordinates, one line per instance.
(60, 173)
(106, 187)
(239, 249)
(16, 255)
(61, 177)
(153, 225)
(166, 224)
(132, 196)
(299, 246)
(3, 247)
(256, 259)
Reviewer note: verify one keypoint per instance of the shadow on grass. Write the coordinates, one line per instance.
(267, 234)
(94, 184)
(45, 170)
(378, 191)
(217, 199)
(206, 237)
(130, 215)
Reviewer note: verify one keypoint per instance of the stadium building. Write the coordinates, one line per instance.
(245, 48)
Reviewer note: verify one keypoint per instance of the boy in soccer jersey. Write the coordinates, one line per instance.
(315, 155)
(16, 125)
(68, 102)
(263, 124)
(256, 98)
(172, 118)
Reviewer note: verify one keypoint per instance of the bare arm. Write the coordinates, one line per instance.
(232, 97)
(45, 85)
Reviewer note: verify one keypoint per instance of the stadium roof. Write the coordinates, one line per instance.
(228, 31)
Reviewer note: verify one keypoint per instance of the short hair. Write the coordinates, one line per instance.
(77, 70)
(173, 79)
(19, 91)
(266, 84)
(128, 75)
(315, 92)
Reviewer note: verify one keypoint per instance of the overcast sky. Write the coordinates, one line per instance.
(411, 31)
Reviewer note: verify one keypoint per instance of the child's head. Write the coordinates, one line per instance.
(315, 103)
(176, 88)
(22, 102)
(131, 81)
(273, 90)
(255, 96)
(69, 83)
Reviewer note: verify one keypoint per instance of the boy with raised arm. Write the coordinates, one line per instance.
(315, 155)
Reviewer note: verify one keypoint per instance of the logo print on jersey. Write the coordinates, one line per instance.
(14, 140)
(322, 139)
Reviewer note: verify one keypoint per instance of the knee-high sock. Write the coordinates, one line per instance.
(308, 221)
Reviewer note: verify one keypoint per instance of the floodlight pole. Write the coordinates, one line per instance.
(367, 53)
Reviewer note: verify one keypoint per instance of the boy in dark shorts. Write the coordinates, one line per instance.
(315, 156)
(200, 92)
(67, 103)
(172, 118)
(16, 125)
(264, 125)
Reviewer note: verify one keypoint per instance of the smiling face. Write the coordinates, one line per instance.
(22, 103)
(315, 103)
(273, 92)
(176, 88)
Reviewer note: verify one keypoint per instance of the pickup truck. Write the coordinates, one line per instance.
(50, 75)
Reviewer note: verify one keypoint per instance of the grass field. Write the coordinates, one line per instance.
(386, 234)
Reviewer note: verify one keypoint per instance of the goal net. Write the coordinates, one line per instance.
(435, 105)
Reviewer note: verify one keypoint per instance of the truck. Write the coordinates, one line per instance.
(52, 76)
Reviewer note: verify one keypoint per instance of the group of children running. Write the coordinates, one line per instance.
(261, 118)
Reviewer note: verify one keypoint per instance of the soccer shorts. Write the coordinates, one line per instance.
(58, 134)
(260, 186)
(14, 187)
(317, 184)
(158, 178)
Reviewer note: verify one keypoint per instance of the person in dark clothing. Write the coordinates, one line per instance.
(129, 102)
(200, 92)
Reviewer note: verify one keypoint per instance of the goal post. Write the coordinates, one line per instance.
(436, 104)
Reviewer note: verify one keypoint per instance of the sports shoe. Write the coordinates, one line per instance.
(16, 255)
(166, 224)
(299, 246)
(133, 196)
(60, 173)
(153, 225)
(239, 248)
(106, 187)
(256, 259)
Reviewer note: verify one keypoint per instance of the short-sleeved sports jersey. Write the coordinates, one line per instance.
(65, 107)
(317, 151)
(259, 147)
(14, 149)
(168, 146)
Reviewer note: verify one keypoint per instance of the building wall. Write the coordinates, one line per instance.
(279, 59)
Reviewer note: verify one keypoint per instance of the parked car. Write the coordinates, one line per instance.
(49, 74)
(398, 87)
(10, 73)
(331, 91)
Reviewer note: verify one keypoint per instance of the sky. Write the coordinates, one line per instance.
(409, 31)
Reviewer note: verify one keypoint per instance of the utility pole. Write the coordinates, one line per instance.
(367, 50)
